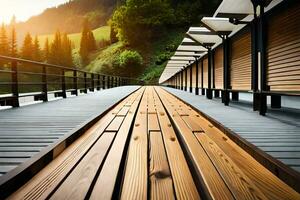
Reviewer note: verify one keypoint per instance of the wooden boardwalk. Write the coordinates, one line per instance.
(26, 131)
(276, 134)
(153, 146)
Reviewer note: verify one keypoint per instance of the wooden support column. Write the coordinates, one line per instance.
(191, 78)
(254, 62)
(263, 63)
(181, 79)
(197, 78)
(226, 72)
(209, 58)
(202, 89)
(185, 74)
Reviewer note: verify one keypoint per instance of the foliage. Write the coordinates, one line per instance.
(46, 50)
(87, 43)
(137, 20)
(13, 43)
(4, 45)
(67, 16)
(99, 34)
(129, 58)
(27, 48)
(36, 50)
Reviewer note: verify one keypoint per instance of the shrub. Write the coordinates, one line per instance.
(131, 62)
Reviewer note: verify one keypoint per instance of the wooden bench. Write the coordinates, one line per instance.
(154, 146)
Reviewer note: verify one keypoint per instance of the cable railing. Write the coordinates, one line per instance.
(21, 78)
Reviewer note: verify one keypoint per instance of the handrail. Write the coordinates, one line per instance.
(89, 80)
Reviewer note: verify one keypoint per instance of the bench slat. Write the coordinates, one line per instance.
(136, 172)
(159, 173)
(106, 180)
(79, 181)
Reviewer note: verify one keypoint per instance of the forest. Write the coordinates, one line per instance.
(143, 35)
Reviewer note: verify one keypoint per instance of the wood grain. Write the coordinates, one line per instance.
(135, 184)
(159, 173)
(106, 180)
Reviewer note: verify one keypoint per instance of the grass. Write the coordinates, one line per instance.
(99, 33)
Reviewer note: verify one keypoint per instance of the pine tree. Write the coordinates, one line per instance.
(87, 43)
(4, 46)
(46, 50)
(36, 53)
(27, 49)
(84, 50)
(67, 51)
(91, 41)
(56, 50)
(13, 43)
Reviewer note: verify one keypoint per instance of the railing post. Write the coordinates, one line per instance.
(63, 86)
(108, 82)
(15, 84)
(75, 81)
(98, 82)
(119, 81)
(92, 82)
(45, 84)
(85, 82)
(103, 82)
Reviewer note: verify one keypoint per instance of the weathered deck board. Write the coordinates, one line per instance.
(54, 119)
(259, 130)
(180, 157)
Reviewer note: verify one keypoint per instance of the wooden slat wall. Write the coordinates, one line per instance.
(218, 58)
(194, 75)
(205, 73)
(240, 76)
(283, 51)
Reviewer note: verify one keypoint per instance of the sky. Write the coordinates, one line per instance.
(24, 9)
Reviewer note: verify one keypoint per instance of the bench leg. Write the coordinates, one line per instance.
(275, 101)
(235, 96)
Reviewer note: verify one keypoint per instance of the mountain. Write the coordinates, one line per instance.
(68, 17)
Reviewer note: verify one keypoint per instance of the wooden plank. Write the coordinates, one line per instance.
(135, 184)
(106, 180)
(193, 125)
(259, 175)
(184, 185)
(79, 181)
(41, 185)
(115, 124)
(211, 180)
(153, 124)
(123, 111)
(159, 173)
(239, 184)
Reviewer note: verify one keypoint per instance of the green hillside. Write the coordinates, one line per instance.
(99, 33)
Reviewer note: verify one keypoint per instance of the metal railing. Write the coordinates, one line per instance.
(20, 78)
